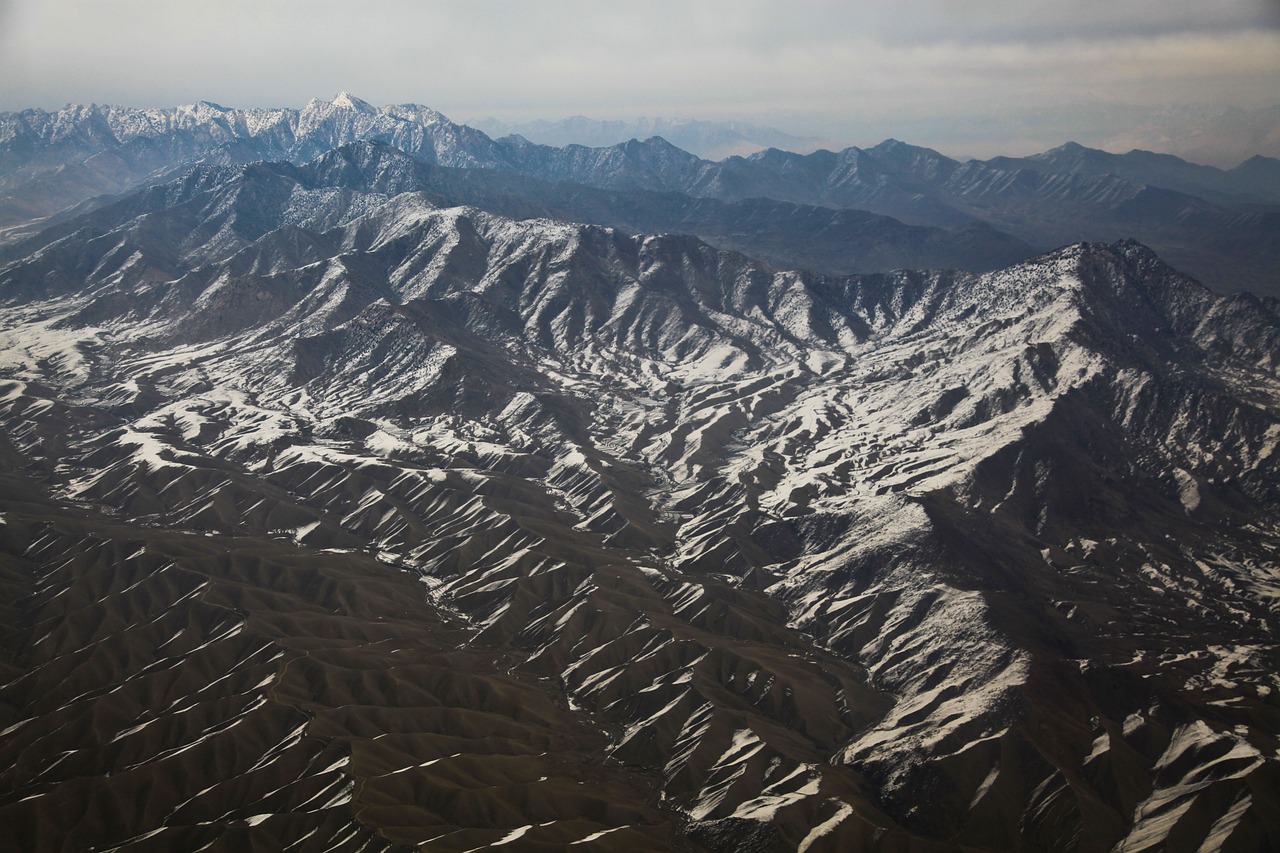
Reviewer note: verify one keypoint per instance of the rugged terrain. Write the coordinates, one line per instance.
(340, 515)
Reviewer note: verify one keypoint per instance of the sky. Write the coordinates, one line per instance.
(973, 77)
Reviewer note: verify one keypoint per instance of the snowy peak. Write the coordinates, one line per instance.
(342, 108)
(347, 102)
(341, 101)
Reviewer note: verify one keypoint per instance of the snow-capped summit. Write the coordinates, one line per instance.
(346, 101)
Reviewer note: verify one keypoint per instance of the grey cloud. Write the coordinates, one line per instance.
(994, 21)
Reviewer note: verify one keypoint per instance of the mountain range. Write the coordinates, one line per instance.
(409, 489)
(1218, 225)
(1217, 135)
(709, 140)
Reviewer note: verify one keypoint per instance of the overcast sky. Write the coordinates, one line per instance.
(979, 75)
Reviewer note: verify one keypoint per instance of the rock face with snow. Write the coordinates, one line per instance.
(337, 514)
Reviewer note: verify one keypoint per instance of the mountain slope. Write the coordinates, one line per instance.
(762, 558)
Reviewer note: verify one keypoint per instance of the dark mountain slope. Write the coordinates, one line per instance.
(1148, 168)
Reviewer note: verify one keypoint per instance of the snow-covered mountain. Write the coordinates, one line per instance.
(51, 160)
(1216, 225)
(338, 514)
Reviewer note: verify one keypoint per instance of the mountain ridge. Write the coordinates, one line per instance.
(706, 139)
